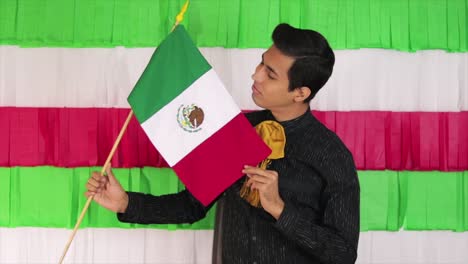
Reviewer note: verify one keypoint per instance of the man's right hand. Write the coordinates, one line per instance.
(107, 191)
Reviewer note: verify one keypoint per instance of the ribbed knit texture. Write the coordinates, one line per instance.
(319, 185)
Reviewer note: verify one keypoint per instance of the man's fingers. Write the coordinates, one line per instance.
(98, 180)
(249, 182)
(91, 187)
(259, 179)
(96, 175)
(252, 170)
(258, 171)
(92, 182)
(89, 194)
(111, 176)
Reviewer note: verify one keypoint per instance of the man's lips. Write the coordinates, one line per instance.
(255, 90)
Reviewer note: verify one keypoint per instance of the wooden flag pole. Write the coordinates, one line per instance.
(90, 198)
(179, 19)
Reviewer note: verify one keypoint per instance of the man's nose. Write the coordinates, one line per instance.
(253, 75)
(256, 75)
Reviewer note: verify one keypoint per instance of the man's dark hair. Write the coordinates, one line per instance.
(314, 59)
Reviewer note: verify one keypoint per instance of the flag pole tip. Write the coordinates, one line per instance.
(180, 16)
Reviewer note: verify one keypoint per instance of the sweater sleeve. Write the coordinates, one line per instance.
(333, 236)
(176, 208)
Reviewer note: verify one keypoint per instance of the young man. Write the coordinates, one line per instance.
(309, 199)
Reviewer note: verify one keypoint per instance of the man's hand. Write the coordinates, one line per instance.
(107, 191)
(266, 182)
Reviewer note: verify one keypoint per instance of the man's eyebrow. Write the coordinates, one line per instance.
(268, 67)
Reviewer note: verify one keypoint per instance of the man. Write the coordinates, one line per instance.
(309, 199)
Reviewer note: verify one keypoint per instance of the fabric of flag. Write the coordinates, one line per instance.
(192, 120)
(398, 98)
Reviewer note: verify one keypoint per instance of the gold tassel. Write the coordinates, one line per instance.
(252, 196)
(273, 134)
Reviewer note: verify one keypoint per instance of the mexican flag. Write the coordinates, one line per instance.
(192, 120)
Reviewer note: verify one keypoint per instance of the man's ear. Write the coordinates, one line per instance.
(302, 93)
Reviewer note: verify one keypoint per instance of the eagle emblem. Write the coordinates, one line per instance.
(190, 117)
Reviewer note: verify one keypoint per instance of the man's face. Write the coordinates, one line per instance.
(271, 81)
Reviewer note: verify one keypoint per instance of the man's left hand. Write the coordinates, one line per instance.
(266, 182)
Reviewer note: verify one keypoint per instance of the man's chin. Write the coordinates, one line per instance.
(256, 101)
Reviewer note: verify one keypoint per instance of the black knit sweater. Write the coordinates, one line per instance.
(318, 184)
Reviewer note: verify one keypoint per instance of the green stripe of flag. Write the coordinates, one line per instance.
(167, 74)
(390, 200)
(393, 24)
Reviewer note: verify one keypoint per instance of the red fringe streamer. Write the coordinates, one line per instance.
(75, 137)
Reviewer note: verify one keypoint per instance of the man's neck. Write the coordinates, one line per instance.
(289, 113)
